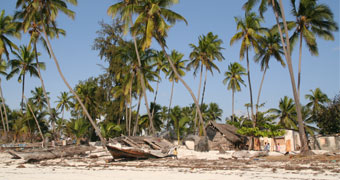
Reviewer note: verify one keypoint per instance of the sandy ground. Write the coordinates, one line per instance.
(190, 165)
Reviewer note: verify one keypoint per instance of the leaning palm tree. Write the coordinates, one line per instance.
(24, 64)
(126, 9)
(248, 28)
(8, 28)
(3, 67)
(48, 11)
(316, 99)
(234, 80)
(279, 12)
(270, 48)
(151, 22)
(180, 67)
(311, 19)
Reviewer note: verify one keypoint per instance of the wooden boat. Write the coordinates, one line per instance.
(133, 153)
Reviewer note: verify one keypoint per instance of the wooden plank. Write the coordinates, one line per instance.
(155, 146)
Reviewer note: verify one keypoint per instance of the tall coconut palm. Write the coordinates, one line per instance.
(64, 102)
(233, 77)
(24, 64)
(270, 48)
(208, 49)
(33, 26)
(8, 28)
(126, 9)
(311, 19)
(248, 33)
(153, 16)
(173, 77)
(279, 12)
(3, 67)
(286, 113)
(316, 99)
(48, 11)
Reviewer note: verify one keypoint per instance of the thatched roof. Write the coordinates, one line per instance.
(228, 131)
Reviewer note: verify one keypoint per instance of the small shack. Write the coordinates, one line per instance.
(224, 137)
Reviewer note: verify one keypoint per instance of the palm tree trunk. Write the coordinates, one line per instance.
(143, 86)
(23, 92)
(142, 81)
(43, 87)
(130, 110)
(154, 100)
(198, 96)
(204, 85)
(4, 106)
(187, 87)
(299, 73)
(233, 101)
(103, 141)
(250, 91)
(302, 134)
(62, 118)
(36, 121)
(3, 122)
(126, 118)
(172, 92)
(258, 96)
(251, 101)
(137, 116)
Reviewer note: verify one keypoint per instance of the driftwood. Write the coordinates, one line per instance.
(41, 154)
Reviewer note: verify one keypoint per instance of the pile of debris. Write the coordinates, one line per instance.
(139, 147)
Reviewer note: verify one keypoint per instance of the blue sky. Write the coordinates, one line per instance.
(79, 62)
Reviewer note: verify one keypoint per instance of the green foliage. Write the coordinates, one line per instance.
(271, 131)
(328, 120)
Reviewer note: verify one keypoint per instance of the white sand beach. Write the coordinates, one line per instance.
(190, 165)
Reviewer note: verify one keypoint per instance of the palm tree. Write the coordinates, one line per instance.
(48, 10)
(286, 113)
(38, 98)
(151, 22)
(234, 80)
(33, 113)
(214, 112)
(316, 101)
(178, 121)
(208, 49)
(160, 67)
(279, 12)
(3, 67)
(270, 47)
(180, 66)
(7, 29)
(311, 19)
(33, 26)
(23, 64)
(248, 28)
(64, 103)
(126, 9)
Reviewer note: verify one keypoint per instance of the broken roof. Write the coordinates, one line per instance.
(228, 131)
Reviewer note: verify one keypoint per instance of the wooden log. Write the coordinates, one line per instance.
(38, 155)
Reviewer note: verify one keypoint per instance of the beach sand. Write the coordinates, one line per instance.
(190, 165)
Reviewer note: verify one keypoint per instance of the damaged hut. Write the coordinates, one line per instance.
(224, 137)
